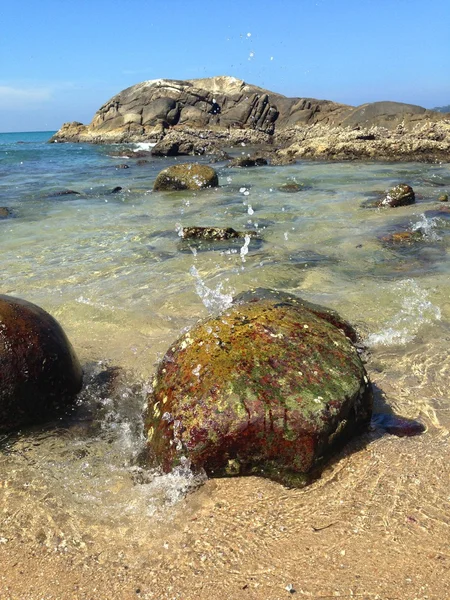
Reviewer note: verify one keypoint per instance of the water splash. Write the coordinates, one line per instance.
(244, 249)
(214, 299)
(416, 310)
(426, 226)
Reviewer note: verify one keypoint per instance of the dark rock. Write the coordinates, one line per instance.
(248, 161)
(141, 162)
(213, 233)
(122, 166)
(116, 190)
(269, 388)
(63, 193)
(186, 176)
(5, 212)
(185, 143)
(39, 371)
(397, 425)
(400, 195)
(290, 188)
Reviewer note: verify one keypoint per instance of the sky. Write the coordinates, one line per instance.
(60, 60)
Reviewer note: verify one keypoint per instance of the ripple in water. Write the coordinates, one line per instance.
(416, 310)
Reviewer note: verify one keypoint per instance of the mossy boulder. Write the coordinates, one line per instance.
(187, 176)
(39, 371)
(269, 387)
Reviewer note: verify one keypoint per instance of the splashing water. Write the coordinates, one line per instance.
(244, 249)
(214, 300)
(426, 227)
(416, 310)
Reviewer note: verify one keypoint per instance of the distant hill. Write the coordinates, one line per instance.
(444, 109)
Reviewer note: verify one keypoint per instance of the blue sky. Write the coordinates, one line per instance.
(60, 60)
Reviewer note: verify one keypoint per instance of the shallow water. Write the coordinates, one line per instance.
(115, 273)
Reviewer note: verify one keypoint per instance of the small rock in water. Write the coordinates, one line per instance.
(443, 198)
(123, 166)
(213, 233)
(5, 212)
(291, 188)
(63, 193)
(187, 176)
(400, 195)
(116, 190)
(248, 161)
(397, 425)
(402, 238)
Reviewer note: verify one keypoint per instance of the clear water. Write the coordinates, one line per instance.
(115, 273)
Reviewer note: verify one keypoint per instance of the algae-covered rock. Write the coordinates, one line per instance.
(400, 195)
(187, 176)
(39, 371)
(268, 387)
(213, 233)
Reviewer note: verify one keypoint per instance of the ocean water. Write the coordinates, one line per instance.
(112, 268)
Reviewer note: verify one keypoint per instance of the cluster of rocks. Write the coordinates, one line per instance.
(206, 116)
(269, 387)
(272, 386)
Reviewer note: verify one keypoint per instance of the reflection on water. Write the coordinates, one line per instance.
(111, 270)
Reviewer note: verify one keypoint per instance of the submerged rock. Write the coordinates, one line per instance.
(63, 193)
(213, 233)
(267, 388)
(248, 161)
(443, 198)
(187, 176)
(291, 188)
(5, 212)
(40, 373)
(403, 238)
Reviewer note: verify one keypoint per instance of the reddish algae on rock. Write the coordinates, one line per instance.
(268, 387)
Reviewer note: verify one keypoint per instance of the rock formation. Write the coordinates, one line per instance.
(204, 115)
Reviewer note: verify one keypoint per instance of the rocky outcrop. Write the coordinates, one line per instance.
(198, 116)
(268, 388)
(426, 141)
(39, 371)
(151, 108)
(189, 176)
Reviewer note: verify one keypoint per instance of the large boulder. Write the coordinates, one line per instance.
(269, 387)
(187, 176)
(39, 371)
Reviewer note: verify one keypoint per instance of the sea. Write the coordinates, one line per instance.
(112, 268)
